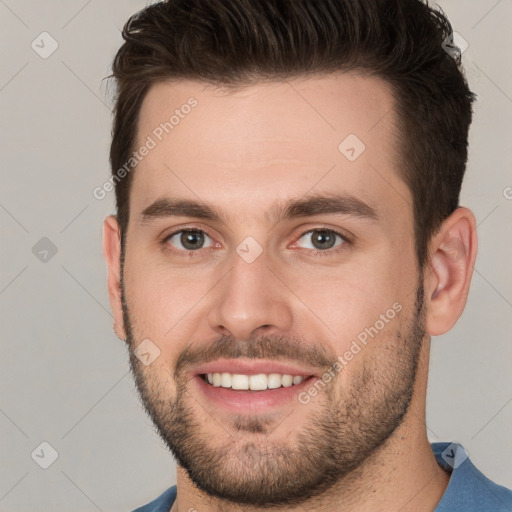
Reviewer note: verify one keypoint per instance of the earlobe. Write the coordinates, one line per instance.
(112, 254)
(447, 280)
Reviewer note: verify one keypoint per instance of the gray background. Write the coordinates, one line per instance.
(64, 374)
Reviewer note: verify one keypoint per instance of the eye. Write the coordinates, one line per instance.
(189, 239)
(322, 240)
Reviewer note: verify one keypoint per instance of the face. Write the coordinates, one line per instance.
(270, 267)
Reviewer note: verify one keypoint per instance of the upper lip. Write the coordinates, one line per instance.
(252, 367)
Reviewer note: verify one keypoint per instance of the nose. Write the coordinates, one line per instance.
(250, 298)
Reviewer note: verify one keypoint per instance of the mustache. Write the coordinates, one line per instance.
(264, 347)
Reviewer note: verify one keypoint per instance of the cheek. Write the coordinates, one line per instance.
(161, 299)
(364, 303)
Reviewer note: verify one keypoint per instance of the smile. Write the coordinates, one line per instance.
(258, 382)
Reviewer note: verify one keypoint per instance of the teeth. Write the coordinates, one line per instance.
(253, 382)
(258, 382)
(225, 380)
(217, 379)
(287, 380)
(240, 381)
(274, 381)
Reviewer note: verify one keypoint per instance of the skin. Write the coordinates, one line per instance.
(243, 153)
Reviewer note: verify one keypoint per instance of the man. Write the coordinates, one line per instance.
(288, 237)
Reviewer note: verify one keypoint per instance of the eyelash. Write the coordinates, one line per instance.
(314, 252)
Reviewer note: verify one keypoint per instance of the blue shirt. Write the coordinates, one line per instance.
(468, 489)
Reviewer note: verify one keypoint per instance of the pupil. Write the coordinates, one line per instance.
(192, 239)
(323, 240)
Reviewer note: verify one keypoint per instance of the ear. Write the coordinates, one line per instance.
(452, 259)
(112, 253)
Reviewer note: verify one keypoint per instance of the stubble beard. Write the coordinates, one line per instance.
(344, 426)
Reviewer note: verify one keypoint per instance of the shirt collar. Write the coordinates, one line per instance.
(468, 489)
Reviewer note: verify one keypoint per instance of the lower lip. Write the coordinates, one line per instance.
(247, 401)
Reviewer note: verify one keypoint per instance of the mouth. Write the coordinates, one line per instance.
(251, 387)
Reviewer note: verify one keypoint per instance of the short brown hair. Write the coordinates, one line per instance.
(235, 43)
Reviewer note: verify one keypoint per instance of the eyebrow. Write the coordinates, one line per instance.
(317, 204)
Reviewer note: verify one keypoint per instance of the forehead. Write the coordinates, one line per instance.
(248, 149)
